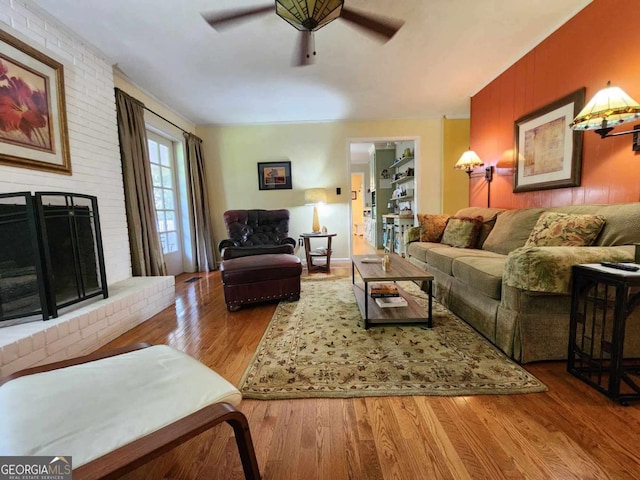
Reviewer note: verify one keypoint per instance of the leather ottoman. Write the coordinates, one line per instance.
(259, 278)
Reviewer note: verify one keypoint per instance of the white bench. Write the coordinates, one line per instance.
(114, 411)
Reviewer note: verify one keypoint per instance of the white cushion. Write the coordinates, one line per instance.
(86, 411)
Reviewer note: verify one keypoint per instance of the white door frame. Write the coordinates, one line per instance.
(390, 138)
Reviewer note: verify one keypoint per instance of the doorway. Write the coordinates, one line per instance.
(164, 175)
(370, 212)
(359, 206)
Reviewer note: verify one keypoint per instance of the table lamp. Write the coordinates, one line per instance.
(314, 196)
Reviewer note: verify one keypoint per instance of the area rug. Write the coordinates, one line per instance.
(317, 347)
(323, 277)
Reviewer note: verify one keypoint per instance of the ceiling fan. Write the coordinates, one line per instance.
(308, 16)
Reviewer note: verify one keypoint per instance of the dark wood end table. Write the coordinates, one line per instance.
(322, 252)
(602, 300)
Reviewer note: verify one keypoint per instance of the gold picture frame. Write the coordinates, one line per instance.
(33, 119)
(548, 154)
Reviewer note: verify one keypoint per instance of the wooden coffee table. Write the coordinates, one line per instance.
(401, 270)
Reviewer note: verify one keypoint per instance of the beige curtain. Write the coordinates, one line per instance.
(146, 252)
(202, 232)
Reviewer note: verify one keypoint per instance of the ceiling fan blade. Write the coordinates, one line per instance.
(380, 26)
(305, 51)
(220, 21)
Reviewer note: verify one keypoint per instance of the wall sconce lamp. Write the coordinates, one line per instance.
(488, 176)
(468, 161)
(607, 109)
(314, 196)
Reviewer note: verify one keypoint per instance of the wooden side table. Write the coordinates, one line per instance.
(321, 252)
(602, 299)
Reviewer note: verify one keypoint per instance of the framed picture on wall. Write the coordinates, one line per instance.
(33, 120)
(548, 154)
(274, 175)
(354, 195)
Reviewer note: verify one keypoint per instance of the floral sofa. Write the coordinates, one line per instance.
(508, 272)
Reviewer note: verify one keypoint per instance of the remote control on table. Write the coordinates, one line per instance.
(620, 266)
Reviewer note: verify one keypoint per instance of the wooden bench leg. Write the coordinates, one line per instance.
(245, 446)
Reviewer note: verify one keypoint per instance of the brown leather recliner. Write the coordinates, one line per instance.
(273, 272)
(256, 232)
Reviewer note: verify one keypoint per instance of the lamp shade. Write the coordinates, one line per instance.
(609, 107)
(309, 15)
(313, 196)
(468, 161)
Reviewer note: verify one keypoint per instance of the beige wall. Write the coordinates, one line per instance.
(455, 190)
(319, 157)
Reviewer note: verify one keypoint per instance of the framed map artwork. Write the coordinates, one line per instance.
(548, 154)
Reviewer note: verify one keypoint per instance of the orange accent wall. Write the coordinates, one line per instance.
(597, 45)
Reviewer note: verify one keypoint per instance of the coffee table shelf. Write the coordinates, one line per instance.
(412, 313)
(401, 270)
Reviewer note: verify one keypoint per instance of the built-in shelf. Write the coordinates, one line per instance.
(402, 179)
(401, 162)
(406, 197)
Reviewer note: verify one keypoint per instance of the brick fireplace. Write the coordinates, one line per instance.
(52, 269)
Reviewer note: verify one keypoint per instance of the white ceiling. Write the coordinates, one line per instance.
(445, 53)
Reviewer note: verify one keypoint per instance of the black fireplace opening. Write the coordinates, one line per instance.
(51, 255)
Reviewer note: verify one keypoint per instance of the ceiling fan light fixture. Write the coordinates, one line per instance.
(309, 15)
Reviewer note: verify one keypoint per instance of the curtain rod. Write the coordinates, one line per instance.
(167, 120)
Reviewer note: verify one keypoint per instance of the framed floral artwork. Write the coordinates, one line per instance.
(548, 154)
(274, 175)
(33, 121)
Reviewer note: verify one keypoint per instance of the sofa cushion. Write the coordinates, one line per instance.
(483, 273)
(431, 226)
(488, 215)
(418, 250)
(442, 257)
(622, 226)
(554, 229)
(485, 230)
(484, 212)
(462, 232)
(511, 230)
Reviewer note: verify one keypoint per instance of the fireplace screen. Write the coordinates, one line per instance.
(21, 281)
(51, 254)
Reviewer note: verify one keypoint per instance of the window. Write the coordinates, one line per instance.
(164, 191)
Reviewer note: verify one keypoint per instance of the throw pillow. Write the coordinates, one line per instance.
(487, 226)
(565, 230)
(462, 232)
(432, 226)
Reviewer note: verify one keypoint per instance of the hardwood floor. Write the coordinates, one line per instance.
(569, 432)
(360, 247)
